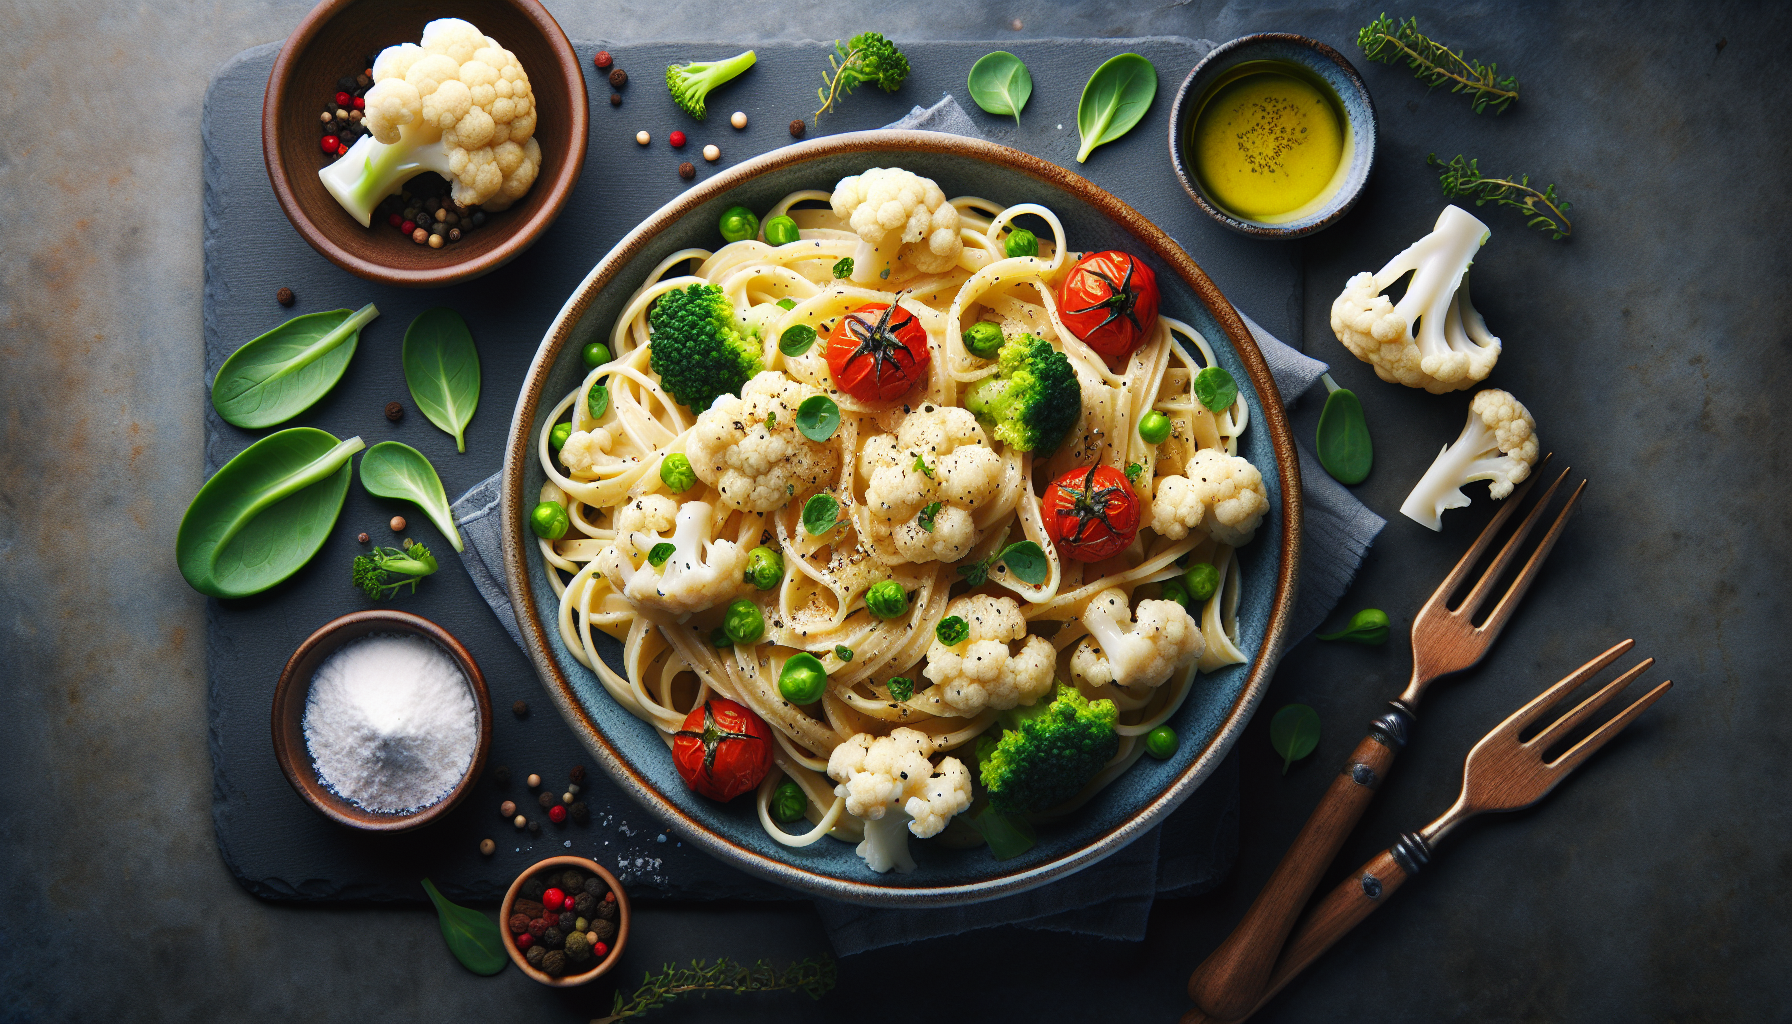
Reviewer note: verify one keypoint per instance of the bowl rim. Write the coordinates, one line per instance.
(523, 235)
(866, 892)
(289, 705)
(622, 921)
(1179, 114)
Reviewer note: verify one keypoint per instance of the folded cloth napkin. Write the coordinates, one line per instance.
(1193, 849)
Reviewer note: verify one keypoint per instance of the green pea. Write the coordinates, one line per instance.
(1161, 742)
(886, 599)
(738, 224)
(1021, 242)
(676, 473)
(765, 568)
(557, 436)
(596, 354)
(1175, 590)
(1201, 579)
(803, 680)
(1154, 427)
(549, 520)
(983, 339)
(781, 230)
(743, 622)
(788, 801)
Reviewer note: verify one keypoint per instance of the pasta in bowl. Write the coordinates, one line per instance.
(915, 491)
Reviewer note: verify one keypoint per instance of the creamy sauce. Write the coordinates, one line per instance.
(1268, 143)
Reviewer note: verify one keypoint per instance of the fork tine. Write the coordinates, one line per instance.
(1544, 701)
(1496, 620)
(1473, 601)
(1507, 507)
(1585, 748)
(1585, 709)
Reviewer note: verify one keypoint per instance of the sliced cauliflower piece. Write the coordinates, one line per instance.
(898, 216)
(760, 468)
(701, 573)
(888, 783)
(1163, 643)
(937, 456)
(981, 671)
(586, 450)
(1222, 495)
(1498, 444)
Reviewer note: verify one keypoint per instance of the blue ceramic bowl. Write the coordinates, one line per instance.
(1335, 73)
(629, 749)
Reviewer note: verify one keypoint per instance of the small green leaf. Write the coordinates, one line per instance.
(597, 401)
(280, 374)
(771, 420)
(1026, 561)
(923, 468)
(1133, 470)
(817, 418)
(820, 514)
(394, 470)
(1294, 732)
(843, 653)
(952, 631)
(1007, 836)
(472, 937)
(1343, 441)
(1216, 389)
(786, 304)
(1000, 83)
(660, 553)
(1115, 98)
(1368, 627)
(441, 367)
(928, 514)
(843, 268)
(796, 340)
(901, 688)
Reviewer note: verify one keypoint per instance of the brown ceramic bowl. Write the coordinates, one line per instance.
(329, 43)
(289, 717)
(604, 965)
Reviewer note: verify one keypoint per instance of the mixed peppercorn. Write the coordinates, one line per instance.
(563, 921)
(343, 111)
(560, 808)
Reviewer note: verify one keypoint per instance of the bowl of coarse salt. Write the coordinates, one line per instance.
(382, 721)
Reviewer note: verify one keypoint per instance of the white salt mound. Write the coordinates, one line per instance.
(390, 723)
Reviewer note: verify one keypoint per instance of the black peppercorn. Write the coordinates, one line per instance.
(479, 218)
(596, 887)
(501, 775)
(284, 297)
(535, 828)
(395, 411)
(532, 889)
(554, 962)
(604, 930)
(535, 956)
(687, 170)
(520, 709)
(547, 799)
(580, 813)
(345, 83)
(454, 234)
(797, 128)
(572, 881)
(553, 938)
(585, 904)
(567, 920)
(606, 910)
(618, 78)
(615, 99)
(576, 773)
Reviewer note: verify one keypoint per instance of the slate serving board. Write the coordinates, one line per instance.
(274, 843)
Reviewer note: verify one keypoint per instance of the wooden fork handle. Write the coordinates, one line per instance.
(1232, 980)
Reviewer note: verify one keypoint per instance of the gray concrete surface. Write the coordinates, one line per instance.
(1653, 349)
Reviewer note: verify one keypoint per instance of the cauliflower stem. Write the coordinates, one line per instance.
(371, 170)
(1498, 444)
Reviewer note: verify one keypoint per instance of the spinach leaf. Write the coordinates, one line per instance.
(1000, 83)
(393, 470)
(1368, 627)
(796, 339)
(1343, 438)
(472, 937)
(843, 268)
(1007, 836)
(597, 400)
(817, 418)
(441, 367)
(1026, 561)
(820, 514)
(1115, 98)
(1294, 732)
(264, 513)
(280, 374)
(1215, 388)
(660, 554)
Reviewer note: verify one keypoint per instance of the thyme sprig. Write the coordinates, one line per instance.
(813, 977)
(1436, 64)
(1543, 210)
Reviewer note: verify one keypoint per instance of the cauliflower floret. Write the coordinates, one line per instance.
(700, 574)
(1164, 643)
(936, 455)
(1222, 495)
(898, 215)
(1498, 444)
(888, 783)
(760, 468)
(980, 671)
(586, 450)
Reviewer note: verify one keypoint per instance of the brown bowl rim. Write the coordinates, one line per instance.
(522, 236)
(622, 921)
(865, 892)
(289, 705)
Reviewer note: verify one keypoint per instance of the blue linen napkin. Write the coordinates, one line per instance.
(1194, 847)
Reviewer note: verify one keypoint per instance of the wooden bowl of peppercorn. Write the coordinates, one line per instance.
(328, 55)
(525, 900)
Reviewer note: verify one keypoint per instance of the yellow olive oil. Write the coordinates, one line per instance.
(1270, 143)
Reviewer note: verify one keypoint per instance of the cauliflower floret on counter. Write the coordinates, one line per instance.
(586, 450)
(1498, 444)
(1222, 495)
(899, 216)
(756, 467)
(701, 573)
(1165, 641)
(937, 456)
(981, 671)
(889, 783)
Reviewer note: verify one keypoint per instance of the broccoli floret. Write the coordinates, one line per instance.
(691, 83)
(869, 57)
(1049, 753)
(374, 570)
(700, 348)
(1034, 398)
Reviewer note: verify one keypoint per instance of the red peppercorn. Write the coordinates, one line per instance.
(557, 814)
(676, 139)
(342, 99)
(395, 219)
(602, 59)
(327, 143)
(609, 897)
(552, 899)
(524, 941)
(602, 949)
(360, 103)
(406, 226)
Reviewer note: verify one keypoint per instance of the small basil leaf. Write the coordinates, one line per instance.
(1368, 627)
(1026, 561)
(786, 304)
(394, 470)
(597, 401)
(472, 937)
(1294, 732)
(796, 339)
(1007, 836)
(820, 514)
(1115, 98)
(1216, 389)
(817, 418)
(952, 631)
(1000, 83)
(901, 687)
(441, 367)
(843, 653)
(843, 268)
(1343, 441)
(928, 515)
(923, 468)
(657, 557)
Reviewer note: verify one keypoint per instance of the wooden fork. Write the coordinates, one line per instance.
(1502, 774)
(1232, 979)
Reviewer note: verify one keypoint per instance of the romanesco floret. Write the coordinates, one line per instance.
(699, 346)
(701, 573)
(755, 466)
(691, 83)
(1049, 752)
(1034, 398)
(1452, 349)
(1222, 495)
(1498, 444)
(889, 783)
(937, 460)
(980, 671)
(1165, 642)
(898, 216)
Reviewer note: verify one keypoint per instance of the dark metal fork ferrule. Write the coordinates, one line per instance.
(1411, 851)
(1393, 729)
(1362, 774)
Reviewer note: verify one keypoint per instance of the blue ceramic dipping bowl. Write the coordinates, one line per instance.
(630, 750)
(1321, 62)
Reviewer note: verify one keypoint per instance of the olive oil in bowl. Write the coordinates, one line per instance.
(1270, 142)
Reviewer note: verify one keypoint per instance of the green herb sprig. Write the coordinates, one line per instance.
(869, 57)
(813, 977)
(1436, 64)
(1546, 211)
(375, 571)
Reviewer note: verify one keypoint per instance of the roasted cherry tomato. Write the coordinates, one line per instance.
(1091, 513)
(877, 352)
(723, 750)
(1109, 299)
